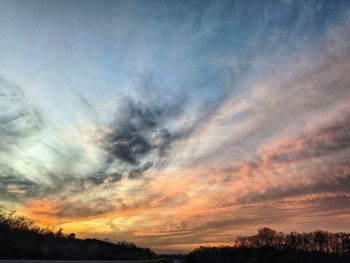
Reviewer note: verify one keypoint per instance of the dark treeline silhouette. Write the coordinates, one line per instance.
(20, 238)
(271, 246)
(316, 241)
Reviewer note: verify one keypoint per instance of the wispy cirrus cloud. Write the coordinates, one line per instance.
(18, 120)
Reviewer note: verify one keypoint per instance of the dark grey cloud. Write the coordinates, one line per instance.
(148, 126)
(142, 129)
(135, 173)
(104, 178)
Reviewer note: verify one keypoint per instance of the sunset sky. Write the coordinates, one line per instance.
(175, 124)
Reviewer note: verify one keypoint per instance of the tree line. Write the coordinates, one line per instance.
(21, 238)
(270, 246)
(316, 241)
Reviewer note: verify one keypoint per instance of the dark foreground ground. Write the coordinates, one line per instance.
(93, 261)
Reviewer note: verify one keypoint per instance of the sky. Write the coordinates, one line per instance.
(175, 124)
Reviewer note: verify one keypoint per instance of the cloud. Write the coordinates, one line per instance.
(104, 178)
(135, 173)
(148, 125)
(14, 186)
(141, 129)
(18, 120)
(326, 140)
